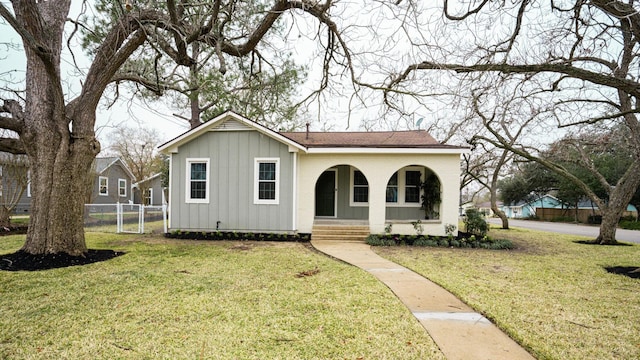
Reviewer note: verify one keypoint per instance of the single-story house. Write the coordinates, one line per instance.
(548, 207)
(525, 209)
(485, 207)
(149, 191)
(233, 174)
(113, 181)
(111, 184)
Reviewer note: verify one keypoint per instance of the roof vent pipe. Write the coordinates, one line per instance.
(307, 137)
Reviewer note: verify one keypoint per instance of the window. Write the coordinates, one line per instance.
(148, 197)
(103, 186)
(360, 187)
(403, 188)
(267, 178)
(412, 187)
(122, 187)
(28, 183)
(392, 189)
(197, 181)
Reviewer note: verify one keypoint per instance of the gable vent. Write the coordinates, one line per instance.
(232, 125)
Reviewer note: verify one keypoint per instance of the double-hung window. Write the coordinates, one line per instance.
(412, 187)
(266, 181)
(103, 186)
(359, 188)
(197, 181)
(122, 187)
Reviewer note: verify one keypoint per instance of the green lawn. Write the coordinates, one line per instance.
(552, 295)
(203, 300)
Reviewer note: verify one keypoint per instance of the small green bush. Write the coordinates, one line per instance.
(475, 223)
(630, 225)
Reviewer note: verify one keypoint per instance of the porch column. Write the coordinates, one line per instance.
(377, 203)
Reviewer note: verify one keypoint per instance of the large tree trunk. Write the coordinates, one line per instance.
(619, 198)
(500, 213)
(59, 140)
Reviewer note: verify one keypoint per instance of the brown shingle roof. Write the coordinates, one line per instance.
(378, 139)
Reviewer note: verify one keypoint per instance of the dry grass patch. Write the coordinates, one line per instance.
(169, 299)
(551, 295)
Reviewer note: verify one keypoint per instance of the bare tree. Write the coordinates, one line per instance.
(577, 63)
(58, 133)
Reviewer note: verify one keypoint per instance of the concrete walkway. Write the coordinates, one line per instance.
(460, 332)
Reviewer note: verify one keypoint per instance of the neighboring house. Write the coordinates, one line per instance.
(15, 188)
(549, 207)
(525, 209)
(149, 191)
(234, 174)
(485, 207)
(112, 182)
(465, 206)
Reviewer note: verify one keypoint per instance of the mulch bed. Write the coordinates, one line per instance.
(630, 271)
(23, 261)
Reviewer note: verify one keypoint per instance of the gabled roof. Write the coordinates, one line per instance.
(103, 163)
(152, 177)
(218, 121)
(325, 142)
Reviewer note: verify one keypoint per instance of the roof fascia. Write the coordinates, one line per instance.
(398, 150)
(173, 145)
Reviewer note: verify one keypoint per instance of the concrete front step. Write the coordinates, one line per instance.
(356, 233)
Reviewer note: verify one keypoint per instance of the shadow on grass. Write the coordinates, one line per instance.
(593, 242)
(630, 271)
(23, 261)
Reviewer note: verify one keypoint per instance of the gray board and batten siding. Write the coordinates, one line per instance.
(232, 155)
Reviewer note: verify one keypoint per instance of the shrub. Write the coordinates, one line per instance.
(630, 225)
(474, 223)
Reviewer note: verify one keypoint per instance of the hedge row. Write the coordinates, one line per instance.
(236, 235)
(440, 241)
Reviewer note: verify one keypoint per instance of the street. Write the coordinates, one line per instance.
(574, 229)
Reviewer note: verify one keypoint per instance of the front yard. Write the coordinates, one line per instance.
(264, 300)
(172, 299)
(552, 295)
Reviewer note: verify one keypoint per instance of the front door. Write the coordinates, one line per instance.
(326, 194)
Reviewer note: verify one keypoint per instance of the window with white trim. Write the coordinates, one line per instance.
(412, 186)
(266, 181)
(122, 187)
(197, 181)
(148, 196)
(403, 188)
(103, 186)
(359, 188)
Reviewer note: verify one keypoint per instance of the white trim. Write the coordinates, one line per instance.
(150, 190)
(402, 183)
(170, 191)
(29, 183)
(120, 187)
(295, 192)
(335, 196)
(393, 150)
(173, 145)
(256, 181)
(188, 198)
(106, 187)
(351, 188)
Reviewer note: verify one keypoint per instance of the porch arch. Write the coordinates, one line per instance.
(404, 194)
(341, 192)
(378, 168)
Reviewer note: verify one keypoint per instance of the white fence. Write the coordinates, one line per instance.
(125, 218)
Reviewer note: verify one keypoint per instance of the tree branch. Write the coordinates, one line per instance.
(628, 86)
(16, 121)
(11, 145)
